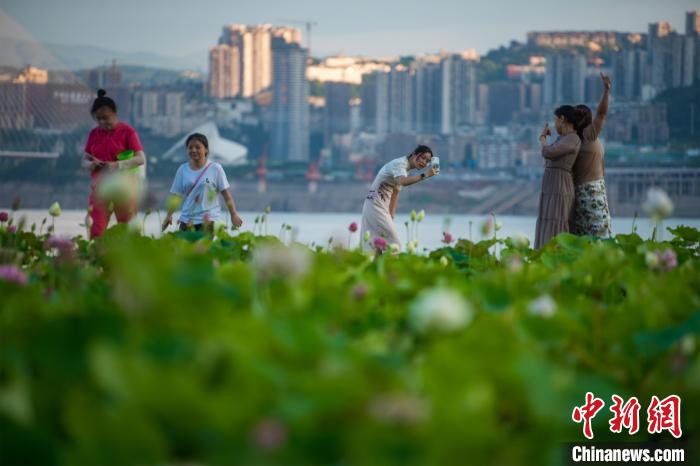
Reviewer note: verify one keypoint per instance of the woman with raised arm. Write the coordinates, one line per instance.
(380, 205)
(557, 197)
(112, 146)
(591, 213)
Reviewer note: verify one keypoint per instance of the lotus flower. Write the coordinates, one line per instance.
(352, 227)
(4, 217)
(269, 435)
(281, 262)
(662, 260)
(439, 309)
(360, 291)
(447, 238)
(543, 306)
(658, 205)
(379, 243)
(487, 226)
(13, 274)
(520, 241)
(55, 209)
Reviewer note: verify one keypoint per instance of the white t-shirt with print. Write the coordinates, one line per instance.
(387, 180)
(204, 197)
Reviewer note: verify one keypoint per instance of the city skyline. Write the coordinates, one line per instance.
(390, 31)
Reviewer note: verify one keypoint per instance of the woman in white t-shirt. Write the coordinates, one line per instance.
(198, 182)
(380, 204)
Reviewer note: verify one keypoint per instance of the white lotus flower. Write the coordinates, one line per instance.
(520, 241)
(55, 209)
(652, 259)
(658, 205)
(281, 262)
(543, 306)
(439, 309)
(119, 187)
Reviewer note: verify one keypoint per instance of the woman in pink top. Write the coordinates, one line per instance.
(108, 139)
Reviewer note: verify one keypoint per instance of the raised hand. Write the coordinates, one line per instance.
(607, 82)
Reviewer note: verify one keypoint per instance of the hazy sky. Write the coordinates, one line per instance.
(367, 27)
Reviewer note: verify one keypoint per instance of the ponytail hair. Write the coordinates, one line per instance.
(586, 117)
(103, 101)
(572, 115)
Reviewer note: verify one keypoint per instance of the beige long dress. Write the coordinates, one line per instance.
(376, 218)
(557, 197)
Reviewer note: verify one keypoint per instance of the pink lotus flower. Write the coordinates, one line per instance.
(353, 227)
(12, 229)
(667, 259)
(447, 237)
(360, 291)
(379, 243)
(487, 226)
(269, 435)
(4, 217)
(64, 246)
(61, 243)
(13, 274)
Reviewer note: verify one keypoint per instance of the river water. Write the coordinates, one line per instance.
(318, 228)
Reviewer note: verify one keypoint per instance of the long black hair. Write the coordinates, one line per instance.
(103, 101)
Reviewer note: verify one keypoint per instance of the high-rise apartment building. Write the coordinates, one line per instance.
(241, 65)
(427, 99)
(458, 92)
(564, 79)
(290, 108)
(337, 111)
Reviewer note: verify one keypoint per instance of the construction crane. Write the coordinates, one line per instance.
(308, 24)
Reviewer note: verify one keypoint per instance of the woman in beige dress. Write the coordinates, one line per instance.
(557, 197)
(380, 205)
(591, 214)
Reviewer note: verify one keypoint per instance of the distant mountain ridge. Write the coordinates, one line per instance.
(19, 53)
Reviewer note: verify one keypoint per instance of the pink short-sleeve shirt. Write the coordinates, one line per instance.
(105, 145)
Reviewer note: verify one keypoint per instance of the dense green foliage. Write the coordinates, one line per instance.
(237, 350)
